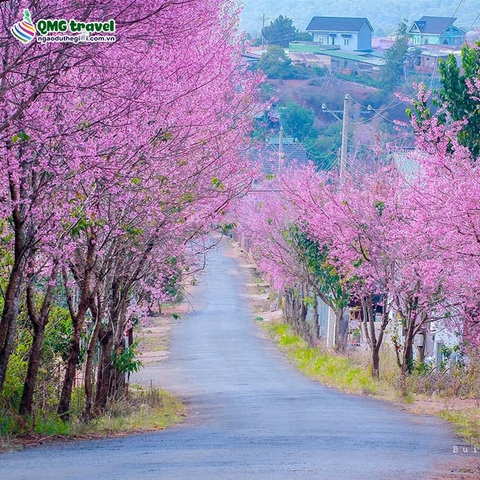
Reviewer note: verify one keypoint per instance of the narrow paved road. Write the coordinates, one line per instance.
(253, 416)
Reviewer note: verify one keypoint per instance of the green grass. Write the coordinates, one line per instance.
(144, 410)
(50, 425)
(332, 370)
(147, 410)
(466, 423)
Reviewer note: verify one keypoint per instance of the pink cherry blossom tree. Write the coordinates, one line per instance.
(115, 154)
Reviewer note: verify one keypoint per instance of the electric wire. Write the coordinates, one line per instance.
(396, 101)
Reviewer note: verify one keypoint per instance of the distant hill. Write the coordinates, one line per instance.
(382, 14)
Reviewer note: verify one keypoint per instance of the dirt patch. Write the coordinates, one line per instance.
(154, 334)
(263, 303)
(37, 439)
(434, 406)
(465, 468)
(154, 339)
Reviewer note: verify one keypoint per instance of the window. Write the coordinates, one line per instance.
(321, 39)
(346, 39)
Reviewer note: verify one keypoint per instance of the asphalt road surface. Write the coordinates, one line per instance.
(252, 415)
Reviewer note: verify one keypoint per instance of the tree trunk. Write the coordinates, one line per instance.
(33, 364)
(103, 375)
(407, 360)
(78, 319)
(117, 378)
(89, 360)
(341, 329)
(110, 381)
(39, 321)
(117, 384)
(369, 313)
(374, 340)
(70, 372)
(11, 305)
(296, 314)
(408, 354)
(8, 323)
(376, 362)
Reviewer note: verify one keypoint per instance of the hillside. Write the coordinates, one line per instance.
(383, 15)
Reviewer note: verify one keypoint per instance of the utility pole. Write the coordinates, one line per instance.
(345, 124)
(344, 151)
(280, 150)
(263, 19)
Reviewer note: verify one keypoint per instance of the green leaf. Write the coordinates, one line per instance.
(23, 136)
(358, 262)
(20, 136)
(380, 206)
(218, 183)
(135, 181)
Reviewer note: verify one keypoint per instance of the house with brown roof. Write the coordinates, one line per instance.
(345, 33)
(436, 31)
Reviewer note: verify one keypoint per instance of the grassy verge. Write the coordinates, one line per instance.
(143, 411)
(146, 410)
(466, 423)
(332, 370)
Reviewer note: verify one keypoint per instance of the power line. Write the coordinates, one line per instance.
(473, 23)
(392, 104)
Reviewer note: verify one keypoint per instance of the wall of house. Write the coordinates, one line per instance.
(325, 38)
(433, 342)
(364, 38)
(338, 40)
(352, 42)
(424, 39)
(451, 39)
(452, 36)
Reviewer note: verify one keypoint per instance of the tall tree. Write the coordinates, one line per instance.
(275, 63)
(297, 121)
(393, 70)
(281, 32)
(459, 94)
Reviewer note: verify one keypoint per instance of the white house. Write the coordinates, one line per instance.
(351, 34)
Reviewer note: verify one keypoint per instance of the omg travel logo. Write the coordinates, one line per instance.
(62, 31)
(24, 30)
